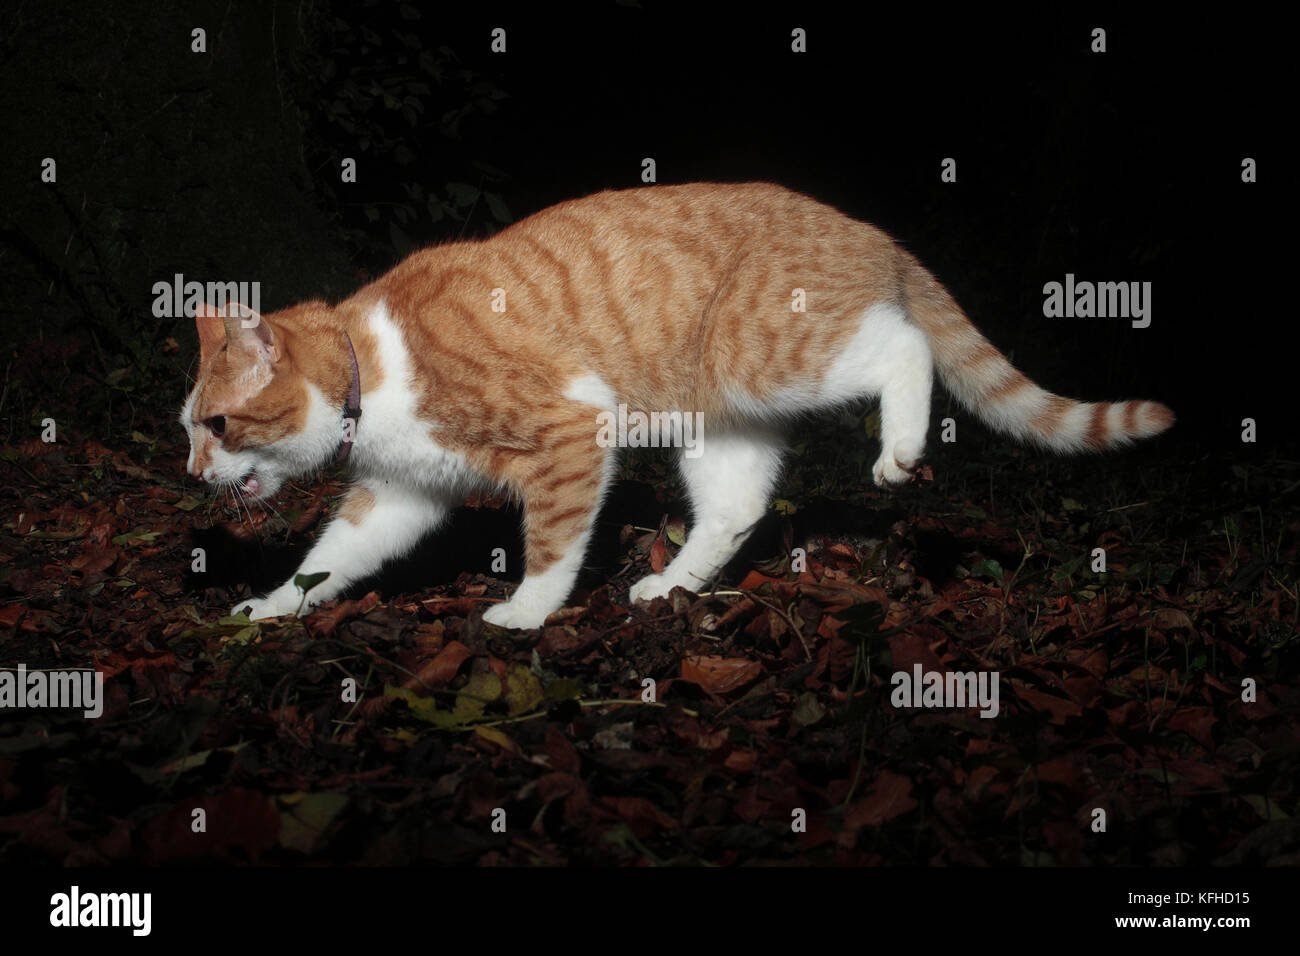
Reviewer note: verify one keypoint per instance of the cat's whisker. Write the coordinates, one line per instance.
(228, 499)
(267, 507)
(239, 496)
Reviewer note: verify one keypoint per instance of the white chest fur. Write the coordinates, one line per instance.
(394, 443)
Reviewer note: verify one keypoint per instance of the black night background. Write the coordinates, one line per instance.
(1122, 691)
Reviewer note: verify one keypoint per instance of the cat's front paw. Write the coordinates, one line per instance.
(513, 615)
(649, 588)
(888, 471)
(259, 609)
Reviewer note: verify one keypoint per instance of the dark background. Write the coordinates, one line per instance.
(1122, 166)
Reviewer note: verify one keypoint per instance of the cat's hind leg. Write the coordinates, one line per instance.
(730, 484)
(904, 412)
(890, 357)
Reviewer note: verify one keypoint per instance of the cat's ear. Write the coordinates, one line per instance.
(240, 329)
(249, 332)
(212, 333)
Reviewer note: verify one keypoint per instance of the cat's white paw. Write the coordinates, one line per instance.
(649, 588)
(888, 471)
(511, 614)
(260, 609)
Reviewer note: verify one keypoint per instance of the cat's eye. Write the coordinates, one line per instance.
(217, 425)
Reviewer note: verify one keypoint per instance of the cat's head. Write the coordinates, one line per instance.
(257, 415)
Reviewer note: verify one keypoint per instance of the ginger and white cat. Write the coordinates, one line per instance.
(668, 298)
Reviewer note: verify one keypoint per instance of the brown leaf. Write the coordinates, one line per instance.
(565, 614)
(27, 520)
(658, 555)
(909, 649)
(123, 464)
(429, 637)
(553, 785)
(742, 607)
(1218, 684)
(95, 451)
(1196, 776)
(844, 551)
(562, 639)
(1096, 663)
(718, 675)
(1062, 770)
(324, 623)
(93, 559)
(311, 513)
(459, 606)
(748, 805)
(1148, 673)
(1196, 722)
(443, 667)
(979, 779)
(840, 594)
(741, 761)
(714, 740)
(1058, 708)
(560, 751)
(236, 819)
(1086, 690)
(1171, 618)
(641, 815)
(890, 796)
(755, 580)
(1124, 714)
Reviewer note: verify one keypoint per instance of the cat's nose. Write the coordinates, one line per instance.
(197, 474)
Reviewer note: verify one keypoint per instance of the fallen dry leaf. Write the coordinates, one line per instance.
(720, 675)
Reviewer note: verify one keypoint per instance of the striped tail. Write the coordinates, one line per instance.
(982, 379)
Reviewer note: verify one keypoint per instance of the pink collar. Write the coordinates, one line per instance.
(352, 410)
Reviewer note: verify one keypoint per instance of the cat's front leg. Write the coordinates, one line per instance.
(561, 494)
(377, 520)
(555, 541)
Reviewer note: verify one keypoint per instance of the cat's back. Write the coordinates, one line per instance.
(692, 218)
(650, 263)
(652, 289)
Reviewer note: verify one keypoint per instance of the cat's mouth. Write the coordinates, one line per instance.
(251, 484)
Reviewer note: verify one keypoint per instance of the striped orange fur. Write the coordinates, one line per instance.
(487, 363)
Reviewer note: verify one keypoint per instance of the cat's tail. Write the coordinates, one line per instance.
(982, 379)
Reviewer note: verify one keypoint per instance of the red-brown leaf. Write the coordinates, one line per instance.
(444, 666)
(719, 675)
(890, 796)
(641, 815)
(1058, 708)
(658, 555)
(324, 623)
